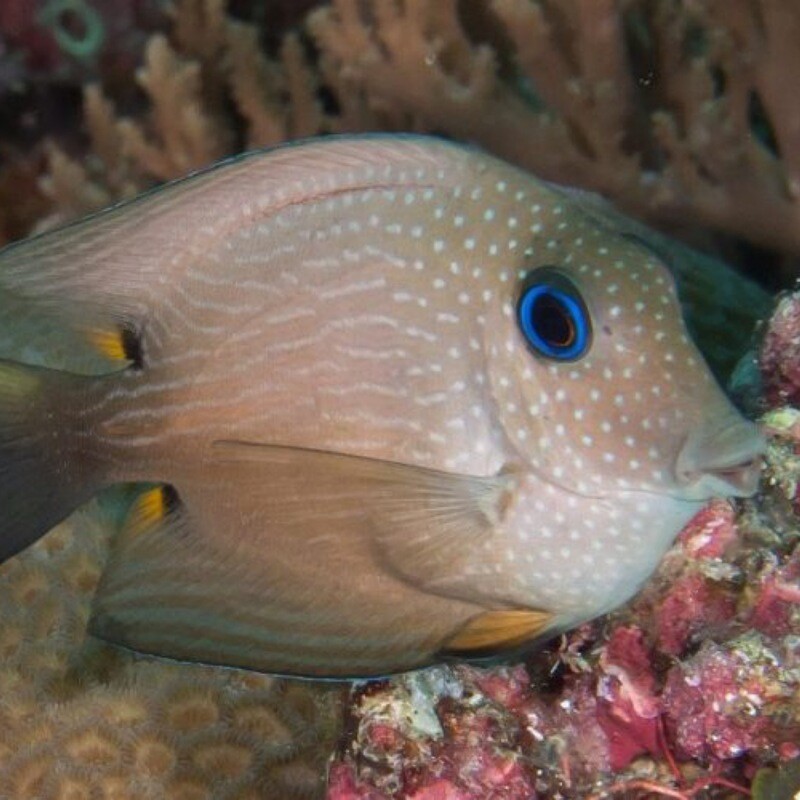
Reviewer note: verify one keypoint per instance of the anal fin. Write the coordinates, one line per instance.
(498, 630)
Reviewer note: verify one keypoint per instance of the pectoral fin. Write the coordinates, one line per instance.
(425, 522)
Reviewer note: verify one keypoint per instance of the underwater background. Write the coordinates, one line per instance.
(684, 115)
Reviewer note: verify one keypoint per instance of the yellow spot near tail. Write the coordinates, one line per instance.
(148, 511)
(111, 343)
(499, 629)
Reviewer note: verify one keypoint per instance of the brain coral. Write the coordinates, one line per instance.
(83, 721)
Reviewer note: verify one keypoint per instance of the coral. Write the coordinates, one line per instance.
(80, 719)
(43, 60)
(692, 609)
(780, 354)
(775, 784)
(21, 199)
(61, 40)
(467, 746)
(205, 85)
(627, 707)
(734, 699)
(695, 126)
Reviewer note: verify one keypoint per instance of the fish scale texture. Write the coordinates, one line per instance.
(83, 721)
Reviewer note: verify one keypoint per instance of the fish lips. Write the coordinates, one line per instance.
(724, 460)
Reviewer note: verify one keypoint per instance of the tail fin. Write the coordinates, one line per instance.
(46, 466)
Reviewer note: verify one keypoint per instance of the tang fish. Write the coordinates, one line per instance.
(393, 400)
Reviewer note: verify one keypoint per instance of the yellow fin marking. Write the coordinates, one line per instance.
(499, 629)
(111, 343)
(148, 511)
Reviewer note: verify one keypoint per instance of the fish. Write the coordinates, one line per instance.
(389, 401)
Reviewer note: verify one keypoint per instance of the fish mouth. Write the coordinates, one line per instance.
(720, 461)
(723, 461)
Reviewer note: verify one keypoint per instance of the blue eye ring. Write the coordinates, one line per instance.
(553, 317)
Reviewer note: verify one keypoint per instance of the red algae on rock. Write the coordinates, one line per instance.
(628, 708)
(777, 599)
(735, 699)
(711, 531)
(780, 354)
(467, 746)
(694, 605)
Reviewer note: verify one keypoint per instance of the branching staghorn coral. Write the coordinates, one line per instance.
(676, 110)
(214, 65)
(678, 131)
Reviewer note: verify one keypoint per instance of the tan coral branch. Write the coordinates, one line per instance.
(189, 137)
(402, 79)
(695, 159)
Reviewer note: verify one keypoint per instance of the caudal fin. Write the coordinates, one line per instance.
(46, 467)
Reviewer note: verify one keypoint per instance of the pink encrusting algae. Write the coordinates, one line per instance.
(780, 354)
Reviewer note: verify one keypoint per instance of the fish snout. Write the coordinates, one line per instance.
(722, 461)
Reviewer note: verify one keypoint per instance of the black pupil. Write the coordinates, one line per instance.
(552, 321)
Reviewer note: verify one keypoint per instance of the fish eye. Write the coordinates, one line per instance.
(552, 316)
